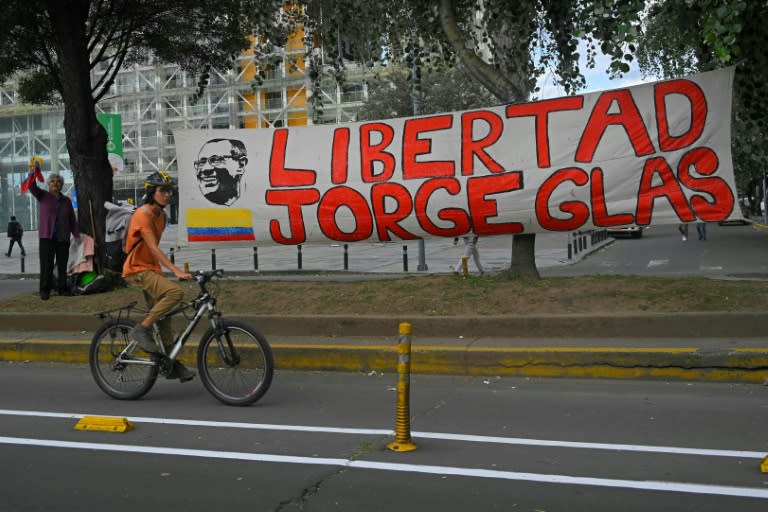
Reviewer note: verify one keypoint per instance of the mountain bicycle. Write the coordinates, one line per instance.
(234, 360)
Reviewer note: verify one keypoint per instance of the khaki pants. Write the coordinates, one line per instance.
(164, 294)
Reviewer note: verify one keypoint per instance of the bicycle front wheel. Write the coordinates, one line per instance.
(235, 363)
(118, 372)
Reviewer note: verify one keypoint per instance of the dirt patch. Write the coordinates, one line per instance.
(447, 295)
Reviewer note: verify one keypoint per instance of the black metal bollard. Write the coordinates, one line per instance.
(255, 258)
(299, 256)
(173, 257)
(405, 258)
(575, 243)
(346, 256)
(570, 249)
(22, 263)
(213, 259)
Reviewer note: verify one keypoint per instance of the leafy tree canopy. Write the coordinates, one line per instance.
(687, 36)
(504, 45)
(36, 35)
(55, 45)
(391, 94)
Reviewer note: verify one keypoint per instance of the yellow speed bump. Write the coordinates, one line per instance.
(764, 465)
(104, 424)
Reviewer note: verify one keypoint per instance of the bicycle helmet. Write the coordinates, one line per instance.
(159, 179)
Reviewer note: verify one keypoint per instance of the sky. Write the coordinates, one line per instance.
(597, 78)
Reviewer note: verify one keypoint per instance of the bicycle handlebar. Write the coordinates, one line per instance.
(204, 276)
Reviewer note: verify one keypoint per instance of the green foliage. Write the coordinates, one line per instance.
(36, 87)
(390, 93)
(504, 45)
(195, 34)
(687, 36)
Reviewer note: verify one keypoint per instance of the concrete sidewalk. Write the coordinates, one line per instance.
(392, 258)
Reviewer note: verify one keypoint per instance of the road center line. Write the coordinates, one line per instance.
(469, 438)
(682, 487)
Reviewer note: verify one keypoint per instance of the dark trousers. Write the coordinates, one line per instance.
(52, 251)
(17, 241)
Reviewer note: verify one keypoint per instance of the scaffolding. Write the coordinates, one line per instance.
(154, 98)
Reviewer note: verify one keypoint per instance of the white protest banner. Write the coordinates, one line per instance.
(655, 153)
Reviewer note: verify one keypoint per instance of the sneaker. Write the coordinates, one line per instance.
(685, 238)
(143, 337)
(45, 294)
(183, 373)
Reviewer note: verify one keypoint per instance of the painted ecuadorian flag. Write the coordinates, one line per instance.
(219, 224)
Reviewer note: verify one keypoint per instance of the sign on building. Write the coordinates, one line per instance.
(112, 123)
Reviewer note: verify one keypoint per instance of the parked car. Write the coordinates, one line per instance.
(633, 231)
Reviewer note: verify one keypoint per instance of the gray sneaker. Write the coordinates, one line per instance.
(143, 337)
(183, 373)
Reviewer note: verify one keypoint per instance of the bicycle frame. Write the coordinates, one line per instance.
(202, 304)
(234, 360)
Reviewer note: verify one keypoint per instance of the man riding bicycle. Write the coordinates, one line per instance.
(142, 267)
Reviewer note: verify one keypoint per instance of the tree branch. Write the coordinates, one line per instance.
(92, 35)
(481, 71)
(120, 53)
(47, 56)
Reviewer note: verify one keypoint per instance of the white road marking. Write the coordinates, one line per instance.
(676, 450)
(710, 269)
(682, 487)
(657, 263)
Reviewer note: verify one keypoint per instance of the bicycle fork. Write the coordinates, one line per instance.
(226, 348)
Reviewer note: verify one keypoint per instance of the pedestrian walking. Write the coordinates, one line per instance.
(15, 232)
(683, 229)
(470, 249)
(701, 229)
(57, 224)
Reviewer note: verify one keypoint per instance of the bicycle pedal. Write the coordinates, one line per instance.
(165, 365)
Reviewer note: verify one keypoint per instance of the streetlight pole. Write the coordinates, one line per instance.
(418, 102)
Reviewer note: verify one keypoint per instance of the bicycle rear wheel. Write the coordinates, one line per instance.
(121, 380)
(235, 363)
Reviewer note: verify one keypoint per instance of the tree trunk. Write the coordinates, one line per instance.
(523, 257)
(86, 138)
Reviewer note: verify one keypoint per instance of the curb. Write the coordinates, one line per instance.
(651, 325)
(748, 365)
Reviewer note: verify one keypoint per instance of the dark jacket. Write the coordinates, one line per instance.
(50, 206)
(14, 229)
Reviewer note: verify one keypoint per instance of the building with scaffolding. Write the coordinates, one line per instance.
(153, 99)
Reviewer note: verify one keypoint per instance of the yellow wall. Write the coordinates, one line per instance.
(297, 94)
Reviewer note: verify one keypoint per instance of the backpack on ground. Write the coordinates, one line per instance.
(118, 218)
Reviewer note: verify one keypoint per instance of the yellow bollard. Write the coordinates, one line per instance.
(764, 465)
(402, 442)
(186, 267)
(465, 266)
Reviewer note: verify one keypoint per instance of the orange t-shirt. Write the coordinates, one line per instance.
(144, 220)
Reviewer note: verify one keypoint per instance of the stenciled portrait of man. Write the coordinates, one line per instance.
(219, 168)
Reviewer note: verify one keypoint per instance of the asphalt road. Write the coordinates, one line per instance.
(316, 442)
(729, 252)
